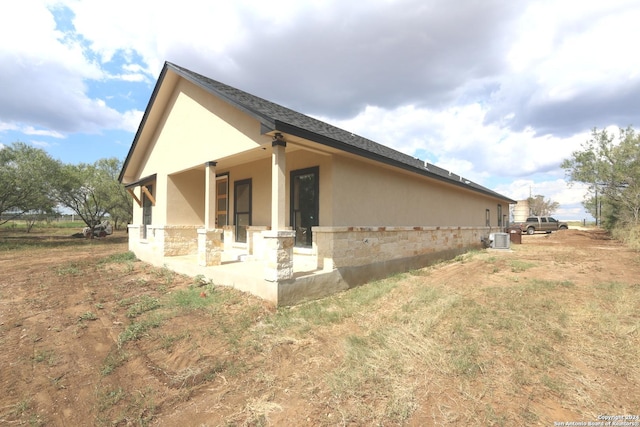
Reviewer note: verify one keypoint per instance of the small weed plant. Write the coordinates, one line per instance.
(89, 315)
(69, 270)
(139, 329)
(119, 258)
(142, 304)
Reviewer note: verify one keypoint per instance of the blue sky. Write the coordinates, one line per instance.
(499, 92)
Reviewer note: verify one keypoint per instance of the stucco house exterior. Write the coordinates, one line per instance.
(257, 196)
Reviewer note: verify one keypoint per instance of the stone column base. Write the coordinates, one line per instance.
(278, 253)
(209, 247)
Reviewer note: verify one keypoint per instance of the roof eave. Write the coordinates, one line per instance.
(141, 181)
(147, 111)
(331, 142)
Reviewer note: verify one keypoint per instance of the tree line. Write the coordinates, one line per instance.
(33, 185)
(609, 164)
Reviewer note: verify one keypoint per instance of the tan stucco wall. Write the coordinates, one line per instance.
(260, 174)
(368, 194)
(190, 133)
(137, 210)
(364, 194)
(185, 196)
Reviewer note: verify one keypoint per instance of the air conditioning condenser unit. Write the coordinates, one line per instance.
(499, 240)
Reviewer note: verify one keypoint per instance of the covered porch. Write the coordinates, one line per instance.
(243, 208)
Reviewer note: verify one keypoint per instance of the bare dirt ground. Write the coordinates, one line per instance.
(548, 332)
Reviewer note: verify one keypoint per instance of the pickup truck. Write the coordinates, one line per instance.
(542, 223)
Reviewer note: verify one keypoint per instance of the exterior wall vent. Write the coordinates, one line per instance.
(499, 240)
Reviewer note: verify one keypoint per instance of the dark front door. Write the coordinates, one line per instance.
(304, 204)
(242, 208)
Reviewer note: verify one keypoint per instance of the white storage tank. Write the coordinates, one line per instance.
(521, 211)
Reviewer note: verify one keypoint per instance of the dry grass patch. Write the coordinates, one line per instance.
(490, 338)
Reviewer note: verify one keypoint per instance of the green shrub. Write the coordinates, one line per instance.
(629, 235)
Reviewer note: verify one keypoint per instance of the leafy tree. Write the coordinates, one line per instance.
(74, 191)
(92, 191)
(31, 218)
(81, 189)
(25, 181)
(539, 206)
(121, 202)
(610, 165)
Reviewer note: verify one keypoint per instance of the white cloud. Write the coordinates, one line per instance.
(42, 144)
(556, 190)
(131, 120)
(156, 31)
(571, 67)
(494, 90)
(30, 130)
(459, 140)
(8, 126)
(47, 74)
(130, 77)
(576, 42)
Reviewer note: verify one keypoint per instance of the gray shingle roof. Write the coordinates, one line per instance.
(279, 118)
